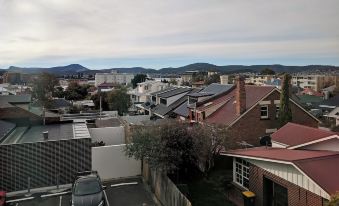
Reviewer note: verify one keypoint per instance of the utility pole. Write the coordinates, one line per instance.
(100, 108)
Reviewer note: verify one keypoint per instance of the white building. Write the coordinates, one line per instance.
(224, 79)
(143, 90)
(113, 77)
(315, 82)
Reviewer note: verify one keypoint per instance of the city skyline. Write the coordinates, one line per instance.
(155, 34)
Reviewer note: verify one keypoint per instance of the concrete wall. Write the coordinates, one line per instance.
(111, 162)
(109, 135)
(164, 189)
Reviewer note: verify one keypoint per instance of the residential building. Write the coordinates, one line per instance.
(259, 79)
(208, 93)
(315, 82)
(188, 76)
(297, 170)
(224, 79)
(18, 109)
(106, 87)
(143, 90)
(12, 78)
(113, 77)
(249, 111)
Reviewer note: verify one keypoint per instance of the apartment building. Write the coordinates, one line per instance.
(259, 79)
(113, 77)
(315, 82)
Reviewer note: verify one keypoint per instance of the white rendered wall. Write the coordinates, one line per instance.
(109, 135)
(111, 162)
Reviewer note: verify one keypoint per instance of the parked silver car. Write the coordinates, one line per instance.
(87, 190)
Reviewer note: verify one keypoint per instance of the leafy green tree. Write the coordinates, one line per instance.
(285, 113)
(59, 92)
(75, 91)
(119, 100)
(267, 71)
(175, 147)
(173, 81)
(138, 79)
(214, 78)
(43, 88)
(104, 100)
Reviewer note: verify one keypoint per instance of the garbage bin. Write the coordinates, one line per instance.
(249, 198)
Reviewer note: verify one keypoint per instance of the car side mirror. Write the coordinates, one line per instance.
(104, 187)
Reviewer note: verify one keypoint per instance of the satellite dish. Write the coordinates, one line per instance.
(265, 141)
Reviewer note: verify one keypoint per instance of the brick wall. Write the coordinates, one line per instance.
(297, 196)
(250, 127)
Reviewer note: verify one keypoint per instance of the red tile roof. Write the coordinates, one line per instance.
(226, 114)
(321, 166)
(310, 91)
(293, 134)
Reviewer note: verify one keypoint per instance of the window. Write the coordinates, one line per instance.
(163, 101)
(277, 107)
(264, 112)
(242, 172)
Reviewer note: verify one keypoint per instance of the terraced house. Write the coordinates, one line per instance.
(249, 111)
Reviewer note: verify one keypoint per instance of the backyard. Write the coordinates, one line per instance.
(208, 190)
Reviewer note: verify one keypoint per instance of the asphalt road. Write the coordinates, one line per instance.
(117, 192)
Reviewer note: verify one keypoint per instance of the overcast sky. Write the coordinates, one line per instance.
(158, 33)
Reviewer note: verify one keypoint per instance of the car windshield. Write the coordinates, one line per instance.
(87, 187)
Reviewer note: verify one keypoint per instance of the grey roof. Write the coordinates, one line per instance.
(163, 91)
(60, 103)
(182, 110)
(8, 100)
(161, 109)
(174, 92)
(111, 122)
(334, 101)
(5, 128)
(216, 88)
(198, 94)
(136, 120)
(35, 133)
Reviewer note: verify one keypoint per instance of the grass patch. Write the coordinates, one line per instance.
(206, 191)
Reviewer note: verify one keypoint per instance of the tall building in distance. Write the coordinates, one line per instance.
(12, 78)
(113, 77)
(315, 82)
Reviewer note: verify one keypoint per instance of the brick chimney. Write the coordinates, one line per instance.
(240, 95)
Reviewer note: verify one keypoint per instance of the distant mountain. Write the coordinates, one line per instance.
(60, 70)
(76, 68)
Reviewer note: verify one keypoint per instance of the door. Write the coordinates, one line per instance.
(274, 194)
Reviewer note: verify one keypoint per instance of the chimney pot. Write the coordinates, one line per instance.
(240, 95)
(45, 135)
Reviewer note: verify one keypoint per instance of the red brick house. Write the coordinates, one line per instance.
(249, 111)
(280, 176)
(299, 169)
